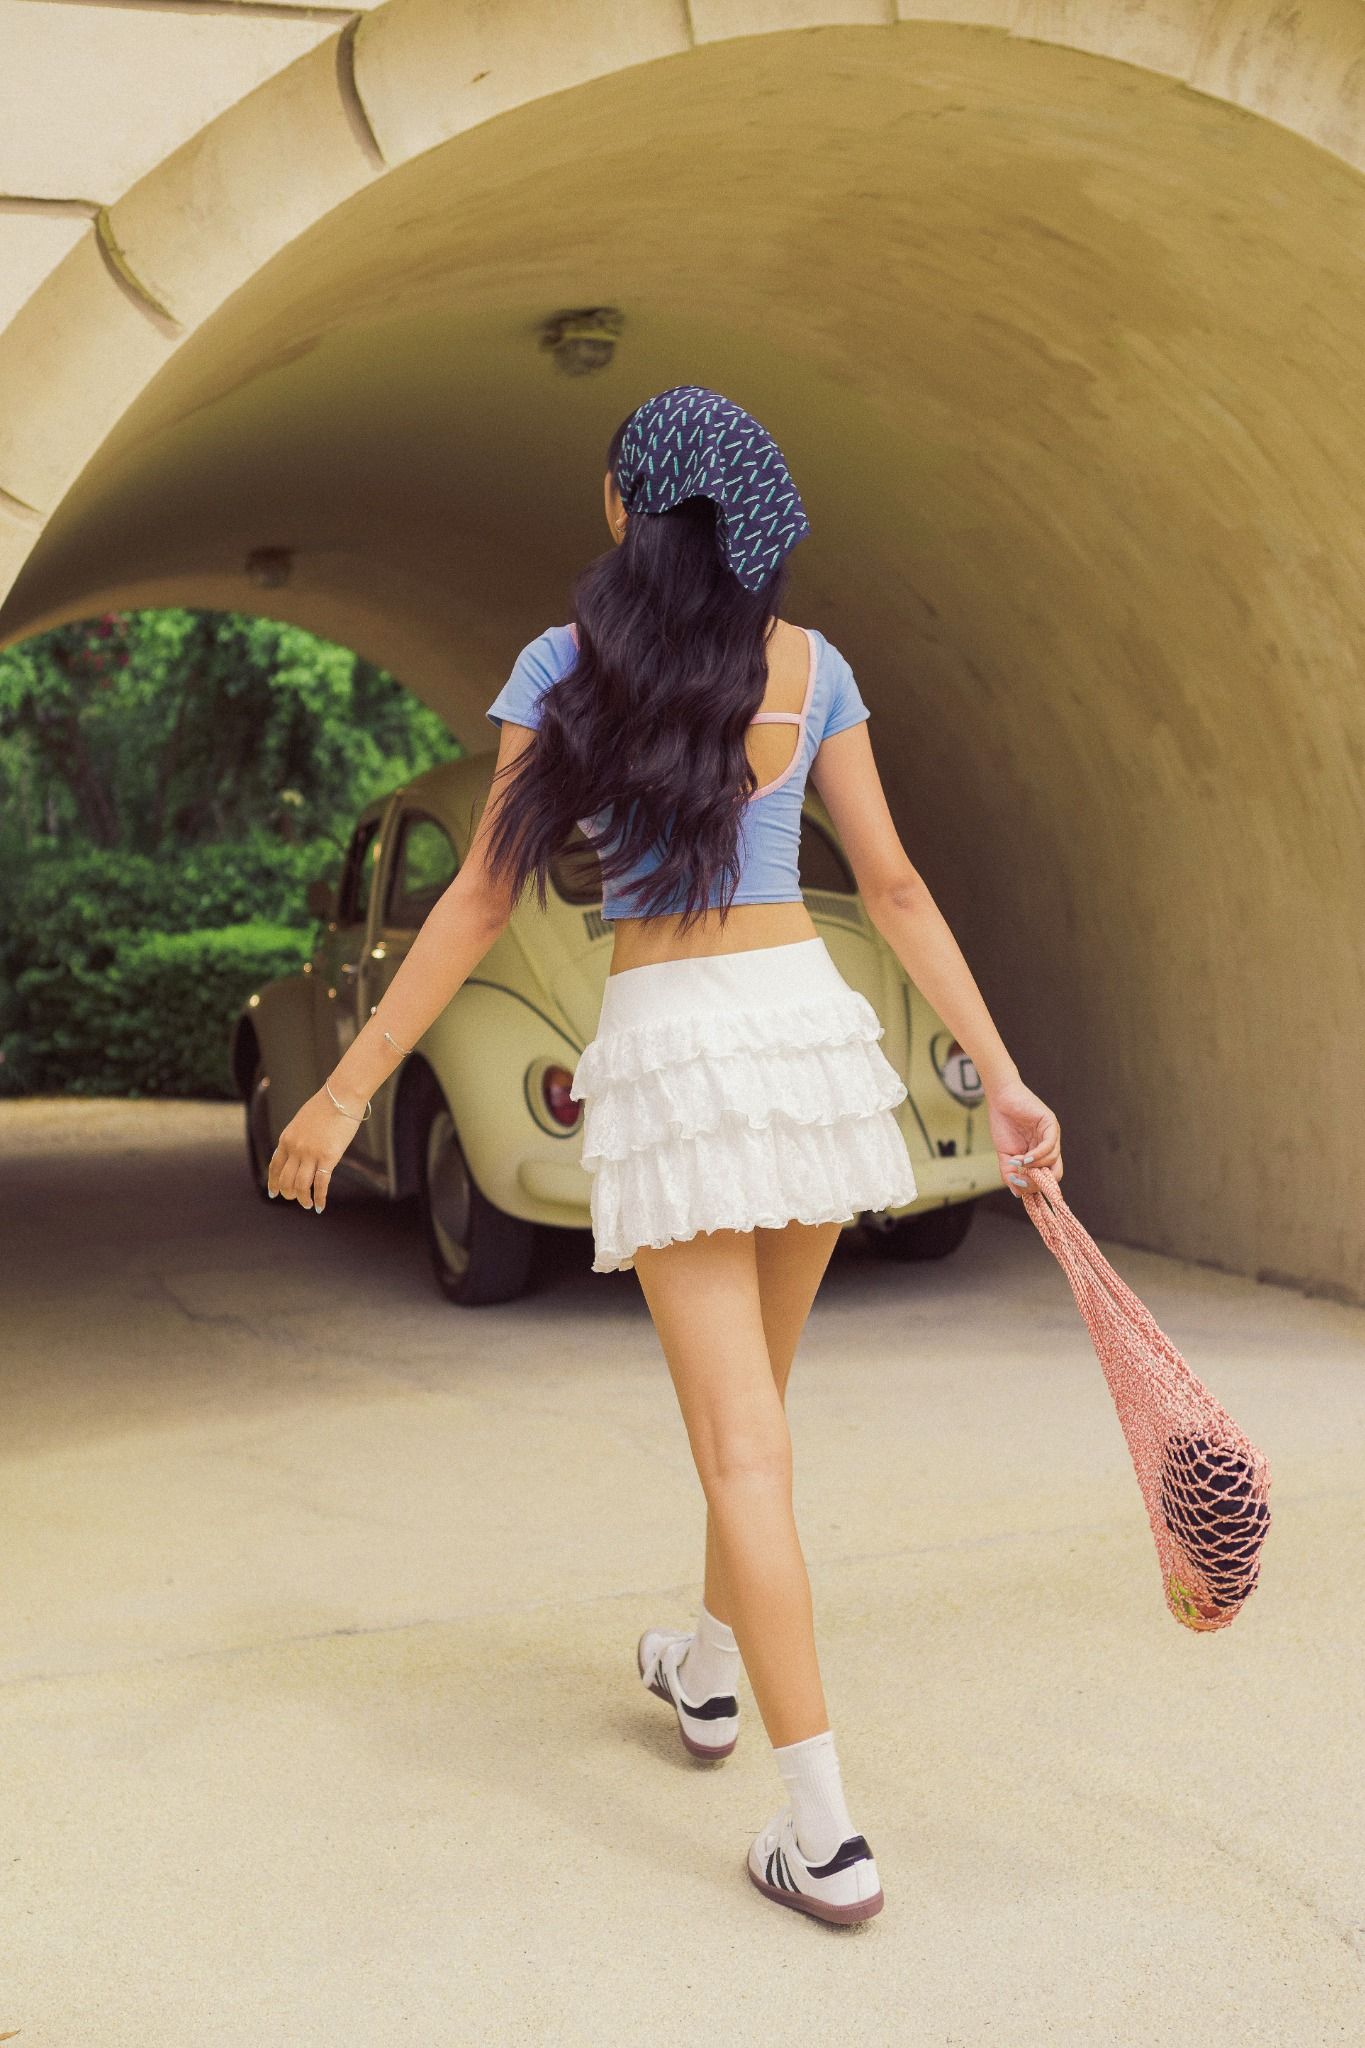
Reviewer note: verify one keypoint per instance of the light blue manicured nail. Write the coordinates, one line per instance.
(1027, 1157)
(1018, 1180)
(272, 1192)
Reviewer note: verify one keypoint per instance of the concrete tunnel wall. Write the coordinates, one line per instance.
(1065, 355)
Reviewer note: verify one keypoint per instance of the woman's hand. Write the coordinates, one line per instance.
(310, 1145)
(1023, 1129)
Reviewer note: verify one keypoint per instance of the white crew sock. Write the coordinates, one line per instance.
(710, 1667)
(810, 1772)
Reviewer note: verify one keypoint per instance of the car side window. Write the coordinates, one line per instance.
(423, 868)
(357, 875)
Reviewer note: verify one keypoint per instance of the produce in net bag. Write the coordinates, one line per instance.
(1204, 1483)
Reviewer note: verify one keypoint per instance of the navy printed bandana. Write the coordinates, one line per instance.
(692, 443)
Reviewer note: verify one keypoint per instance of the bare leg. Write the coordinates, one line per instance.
(792, 1262)
(704, 1297)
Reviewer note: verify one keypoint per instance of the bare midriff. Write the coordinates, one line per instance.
(642, 941)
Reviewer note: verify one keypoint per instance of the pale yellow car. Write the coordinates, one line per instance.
(477, 1123)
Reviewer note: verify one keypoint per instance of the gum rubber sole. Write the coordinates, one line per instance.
(838, 1916)
(697, 1748)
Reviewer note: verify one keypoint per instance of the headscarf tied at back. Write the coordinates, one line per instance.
(693, 443)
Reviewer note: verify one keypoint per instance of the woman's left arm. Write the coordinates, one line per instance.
(1024, 1131)
(456, 933)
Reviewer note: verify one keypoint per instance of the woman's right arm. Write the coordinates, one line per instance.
(897, 899)
(458, 930)
(453, 938)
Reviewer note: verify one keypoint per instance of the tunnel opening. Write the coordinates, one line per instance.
(175, 785)
(1048, 338)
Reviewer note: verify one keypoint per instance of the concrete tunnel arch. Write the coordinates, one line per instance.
(1064, 344)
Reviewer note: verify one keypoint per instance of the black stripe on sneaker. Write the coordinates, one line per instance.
(849, 1852)
(787, 1877)
(768, 1873)
(718, 1709)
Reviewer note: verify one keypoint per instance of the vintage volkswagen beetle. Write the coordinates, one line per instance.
(477, 1123)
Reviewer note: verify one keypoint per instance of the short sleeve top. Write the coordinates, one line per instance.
(770, 826)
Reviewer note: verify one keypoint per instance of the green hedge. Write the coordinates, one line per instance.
(68, 903)
(153, 1020)
(120, 974)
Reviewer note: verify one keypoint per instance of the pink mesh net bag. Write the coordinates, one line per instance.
(1205, 1485)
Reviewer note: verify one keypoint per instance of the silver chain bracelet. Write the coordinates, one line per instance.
(346, 1112)
(404, 1049)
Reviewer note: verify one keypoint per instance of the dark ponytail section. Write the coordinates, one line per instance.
(645, 732)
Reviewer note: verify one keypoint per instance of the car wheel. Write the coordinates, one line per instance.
(478, 1254)
(932, 1235)
(260, 1146)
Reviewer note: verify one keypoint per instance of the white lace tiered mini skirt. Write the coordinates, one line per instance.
(736, 1090)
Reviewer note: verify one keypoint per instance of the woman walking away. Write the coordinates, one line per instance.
(737, 1103)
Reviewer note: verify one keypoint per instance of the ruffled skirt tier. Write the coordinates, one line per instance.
(732, 1091)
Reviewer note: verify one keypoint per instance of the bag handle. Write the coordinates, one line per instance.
(1083, 1262)
(1065, 1232)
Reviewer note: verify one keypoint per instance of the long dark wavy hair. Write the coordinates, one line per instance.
(647, 726)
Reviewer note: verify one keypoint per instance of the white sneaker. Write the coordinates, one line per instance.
(710, 1728)
(843, 1889)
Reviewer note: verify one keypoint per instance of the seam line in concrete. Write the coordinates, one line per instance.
(272, 10)
(12, 1681)
(33, 202)
(348, 86)
(19, 509)
(132, 287)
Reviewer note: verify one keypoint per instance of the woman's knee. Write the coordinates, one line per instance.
(745, 1456)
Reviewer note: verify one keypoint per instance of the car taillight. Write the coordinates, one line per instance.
(956, 1070)
(554, 1091)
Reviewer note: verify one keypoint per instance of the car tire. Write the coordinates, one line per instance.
(260, 1146)
(932, 1235)
(478, 1254)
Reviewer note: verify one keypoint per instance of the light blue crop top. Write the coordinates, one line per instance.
(770, 826)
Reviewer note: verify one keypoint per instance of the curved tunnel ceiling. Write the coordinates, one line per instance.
(1066, 360)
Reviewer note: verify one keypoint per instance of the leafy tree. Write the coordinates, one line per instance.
(157, 731)
(170, 782)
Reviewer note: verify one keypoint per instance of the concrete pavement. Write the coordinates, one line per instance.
(320, 1602)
